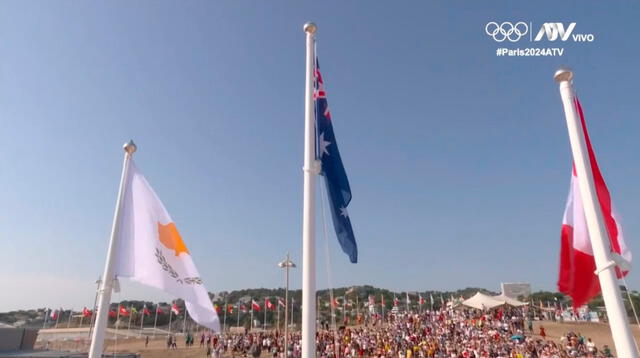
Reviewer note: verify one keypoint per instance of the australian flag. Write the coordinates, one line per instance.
(333, 171)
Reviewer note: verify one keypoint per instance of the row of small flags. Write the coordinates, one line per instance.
(255, 306)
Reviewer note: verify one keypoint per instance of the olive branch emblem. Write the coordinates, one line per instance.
(167, 267)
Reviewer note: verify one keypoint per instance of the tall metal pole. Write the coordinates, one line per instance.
(286, 314)
(311, 169)
(97, 339)
(598, 235)
(286, 264)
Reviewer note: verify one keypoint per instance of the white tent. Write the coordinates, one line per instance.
(483, 302)
(510, 301)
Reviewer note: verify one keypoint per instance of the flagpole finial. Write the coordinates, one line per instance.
(130, 147)
(563, 74)
(310, 27)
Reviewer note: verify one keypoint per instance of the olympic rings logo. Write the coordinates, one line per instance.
(506, 31)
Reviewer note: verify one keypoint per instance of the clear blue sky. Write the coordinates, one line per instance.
(459, 160)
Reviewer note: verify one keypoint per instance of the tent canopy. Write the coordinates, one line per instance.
(510, 301)
(483, 302)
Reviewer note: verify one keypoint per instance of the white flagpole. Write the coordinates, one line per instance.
(130, 317)
(69, 319)
(97, 339)
(278, 324)
(251, 319)
(47, 312)
(170, 316)
(155, 320)
(81, 319)
(311, 169)
(59, 312)
(142, 318)
(224, 322)
(264, 321)
(605, 266)
(238, 321)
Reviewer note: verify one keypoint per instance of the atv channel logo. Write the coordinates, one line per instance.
(519, 32)
(551, 31)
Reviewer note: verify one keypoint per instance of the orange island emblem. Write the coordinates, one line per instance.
(171, 239)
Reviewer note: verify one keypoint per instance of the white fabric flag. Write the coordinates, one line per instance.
(151, 251)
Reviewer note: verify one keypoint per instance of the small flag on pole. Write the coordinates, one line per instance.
(255, 306)
(268, 304)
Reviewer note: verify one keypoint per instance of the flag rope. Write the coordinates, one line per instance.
(328, 266)
(633, 308)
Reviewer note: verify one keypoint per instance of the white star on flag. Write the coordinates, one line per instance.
(323, 145)
(343, 212)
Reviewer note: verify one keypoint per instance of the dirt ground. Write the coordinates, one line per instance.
(598, 332)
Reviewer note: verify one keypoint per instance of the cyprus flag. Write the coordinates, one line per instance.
(151, 251)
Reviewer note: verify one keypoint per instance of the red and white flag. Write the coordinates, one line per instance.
(395, 301)
(145, 311)
(230, 308)
(113, 314)
(281, 302)
(243, 308)
(335, 303)
(123, 311)
(372, 300)
(159, 310)
(175, 309)
(421, 300)
(54, 315)
(255, 305)
(577, 264)
(268, 304)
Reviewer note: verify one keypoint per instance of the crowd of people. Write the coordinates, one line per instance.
(441, 334)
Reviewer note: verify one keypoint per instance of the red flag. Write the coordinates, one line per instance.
(421, 300)
(577, 264)
(268, 304)
(230, 308)
(123, 311)
(175, 309)
(255, 306)
(54, 315)
(159, 310)
(86, 312)
(145, 311)
(218, 309)
(112, 314)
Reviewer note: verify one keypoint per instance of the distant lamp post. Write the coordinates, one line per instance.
(286, 264)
